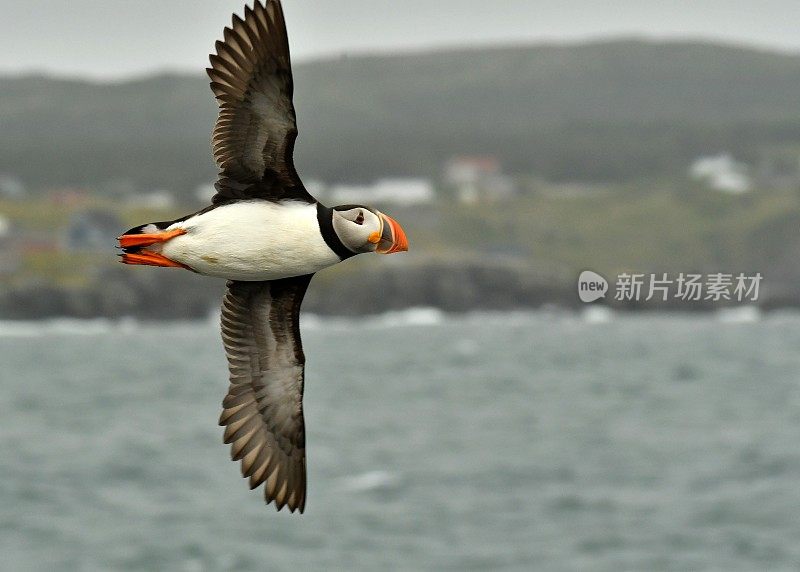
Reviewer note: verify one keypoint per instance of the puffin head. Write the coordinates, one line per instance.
(364, 229)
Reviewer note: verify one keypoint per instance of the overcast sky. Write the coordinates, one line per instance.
(118, 38)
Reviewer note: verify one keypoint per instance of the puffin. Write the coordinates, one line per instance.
(267, 236)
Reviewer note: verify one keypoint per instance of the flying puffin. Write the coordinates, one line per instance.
(268, 236)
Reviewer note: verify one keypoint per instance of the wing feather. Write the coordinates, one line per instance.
(263, 410)
(253, 139)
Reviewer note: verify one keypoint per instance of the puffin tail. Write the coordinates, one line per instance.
(132, 241)
(134, 244)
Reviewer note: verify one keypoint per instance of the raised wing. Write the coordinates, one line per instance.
(263, 411)
(253, 139)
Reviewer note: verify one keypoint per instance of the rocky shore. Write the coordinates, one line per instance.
(353, 289)
(356, 288)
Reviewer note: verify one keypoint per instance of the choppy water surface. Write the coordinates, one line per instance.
(530, 441)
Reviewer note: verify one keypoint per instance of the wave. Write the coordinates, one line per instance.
(403, 318)
(411, 317)
(419, 317)
(372, 481)
(739, 315)
(597, 314)
(65, 327)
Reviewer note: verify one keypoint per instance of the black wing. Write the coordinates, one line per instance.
(253, 139)
(263, 411)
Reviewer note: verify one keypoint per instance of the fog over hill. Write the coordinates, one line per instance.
(608, 111)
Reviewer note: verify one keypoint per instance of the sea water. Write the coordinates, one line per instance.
(531, 441)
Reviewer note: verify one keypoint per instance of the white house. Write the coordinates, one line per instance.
(477, 178)
(722, 173)
(404, 192)
(398, 191)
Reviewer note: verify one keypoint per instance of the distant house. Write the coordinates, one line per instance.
(722, 173)
(404, 192)
(399, 191)
(477, 179)
(92, 230)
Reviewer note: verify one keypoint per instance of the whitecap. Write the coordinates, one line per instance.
(74, 327)
(66, 327)
(372, 481)
(402, 318)
(739, 315)
(15, 329)
(421, 316)
(597, 314)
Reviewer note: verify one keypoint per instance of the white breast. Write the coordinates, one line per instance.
(252, 240)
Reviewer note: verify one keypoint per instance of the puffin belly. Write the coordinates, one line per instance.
(252, 240)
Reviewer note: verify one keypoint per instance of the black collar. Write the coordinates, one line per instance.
(325, 219)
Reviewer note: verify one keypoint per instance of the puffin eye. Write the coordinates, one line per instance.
(360, 218)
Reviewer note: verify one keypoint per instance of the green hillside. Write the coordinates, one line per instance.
(612, 111)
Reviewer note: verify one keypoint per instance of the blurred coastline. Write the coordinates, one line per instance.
(512, 170)
(522, 253)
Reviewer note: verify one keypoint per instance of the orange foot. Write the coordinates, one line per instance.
(141, 240)
(148, 258)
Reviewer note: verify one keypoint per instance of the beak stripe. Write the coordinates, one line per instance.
(397, 242)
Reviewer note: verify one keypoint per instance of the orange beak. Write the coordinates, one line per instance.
(393, 238)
